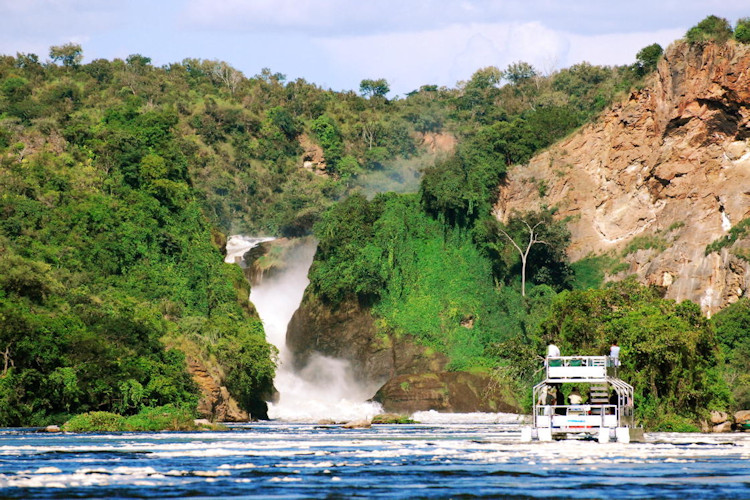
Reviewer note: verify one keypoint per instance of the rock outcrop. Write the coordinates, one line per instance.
(215, 404)
(413, 377)
(670, 162)
(456, 392)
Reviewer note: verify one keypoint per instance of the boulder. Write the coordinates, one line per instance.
(52, 428)
(719, 417)
(742, 417)
(357, 424)
(216, 403)
(392, 418)
(723, 427)
(451, 392)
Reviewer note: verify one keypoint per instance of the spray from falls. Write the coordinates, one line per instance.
(325, 388)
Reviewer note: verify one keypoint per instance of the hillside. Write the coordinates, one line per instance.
(658, 177)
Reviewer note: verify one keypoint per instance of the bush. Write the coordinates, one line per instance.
(712, 28)
(95, 421)
(742, 30)
(161, 418)
(647, 58)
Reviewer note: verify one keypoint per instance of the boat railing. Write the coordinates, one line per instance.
(572, 417)
(580, 367)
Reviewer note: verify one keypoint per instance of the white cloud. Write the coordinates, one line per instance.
(446, 56)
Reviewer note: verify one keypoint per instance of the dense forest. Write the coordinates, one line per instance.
(119, 181)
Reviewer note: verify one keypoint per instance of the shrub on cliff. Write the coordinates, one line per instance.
(742, 30)
(647, 58)
(712, 28)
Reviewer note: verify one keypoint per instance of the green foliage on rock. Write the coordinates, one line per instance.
(647, 58)
(712, 28)
(739, 231)
(742, 30)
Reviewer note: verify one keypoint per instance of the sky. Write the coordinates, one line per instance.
(338, 43)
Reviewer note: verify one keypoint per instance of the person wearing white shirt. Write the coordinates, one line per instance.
(614, 354)
(553, 351)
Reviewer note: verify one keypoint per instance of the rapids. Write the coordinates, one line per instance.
(474, 456)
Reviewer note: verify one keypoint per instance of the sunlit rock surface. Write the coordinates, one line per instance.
(672, 160)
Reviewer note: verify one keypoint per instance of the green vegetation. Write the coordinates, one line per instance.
(645, 242)
(162, 418)
(670, 353)
(742, 30)
(106, 255)
(733, 332)
(118, 178)
(390, 418)
(739, 232)
(647, 58)
(590, 272)
(712, 28)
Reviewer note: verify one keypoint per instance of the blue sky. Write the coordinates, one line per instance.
(337, 43)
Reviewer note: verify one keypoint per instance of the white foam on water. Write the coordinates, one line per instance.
(237, 245)
(434, 417)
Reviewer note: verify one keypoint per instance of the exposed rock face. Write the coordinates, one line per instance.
(458, 392)
(216, 404)
(414, 377)
(671, 161)
(435, 142)
(312, 156)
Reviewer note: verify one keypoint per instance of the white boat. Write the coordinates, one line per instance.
(606, 415)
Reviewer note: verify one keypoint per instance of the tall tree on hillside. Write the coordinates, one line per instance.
(70, 54)
(374, 88)
(523, 246)
(526, 232)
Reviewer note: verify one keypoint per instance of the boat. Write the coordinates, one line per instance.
(607, 414)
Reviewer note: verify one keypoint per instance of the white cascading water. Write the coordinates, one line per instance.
(325, 389)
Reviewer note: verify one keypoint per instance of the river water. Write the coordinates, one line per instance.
(446, 456)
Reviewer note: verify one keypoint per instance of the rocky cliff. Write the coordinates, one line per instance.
(667, 168)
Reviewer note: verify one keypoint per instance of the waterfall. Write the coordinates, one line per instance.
(325, 387)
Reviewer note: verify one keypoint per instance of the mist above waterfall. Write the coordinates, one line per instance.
(325, 388)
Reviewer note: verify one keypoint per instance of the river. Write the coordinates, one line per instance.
(446, 456)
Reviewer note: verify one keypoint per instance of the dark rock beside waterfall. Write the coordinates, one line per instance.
(348, 332)
(414, 376)
(451, 392)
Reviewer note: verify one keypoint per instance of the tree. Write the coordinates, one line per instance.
(374, 88)
(711, 28)
(227, 75)
(523, 246)
(485, 78)
(647, 57)
(519, 72)
(70, 54)
(742, 30)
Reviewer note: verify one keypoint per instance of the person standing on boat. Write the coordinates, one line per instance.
(553, 351)
(614, 354)
(575, 398)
